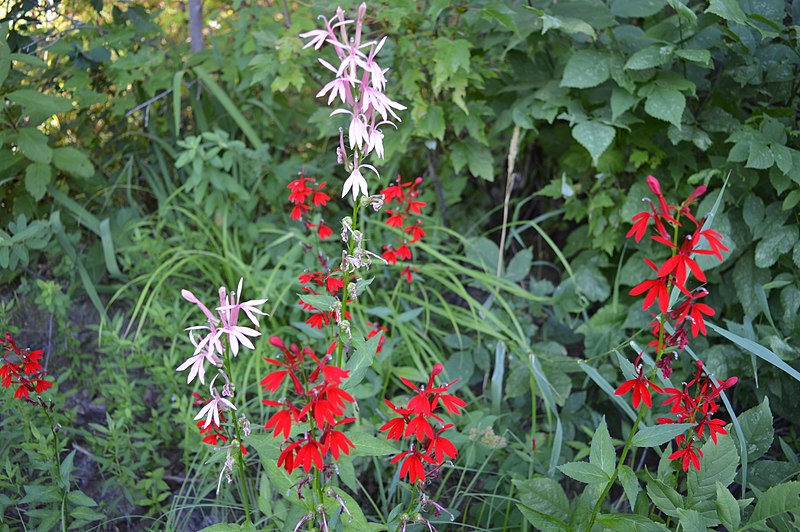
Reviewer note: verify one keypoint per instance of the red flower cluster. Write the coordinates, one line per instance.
(697, 407)
(408, 206)
(212, 433)
(21, 368)
(325, 282)
(315, 398)
(688, 316)
(305, 193)
(428, 446)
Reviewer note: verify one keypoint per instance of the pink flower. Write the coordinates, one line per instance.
(212, 409)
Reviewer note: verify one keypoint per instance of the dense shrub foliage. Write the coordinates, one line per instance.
(132, 167)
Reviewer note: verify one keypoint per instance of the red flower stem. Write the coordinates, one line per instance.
(634, 429)
(239, 456)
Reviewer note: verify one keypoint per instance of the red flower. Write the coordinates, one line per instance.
(309, 455)
(696, 312)
(412, 465)
(334, 441)
(389, 255)
(415, 231)
(687, 453)
(440, 447)
(403, 252)
(396, 219)
(655, 288)
(640, 385)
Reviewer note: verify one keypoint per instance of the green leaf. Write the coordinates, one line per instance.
(636, 8)
(37, 177)
(595, 136)
(701, 57)
(666, 104)
(718, 464)
(434, 122)
(757, 349)
(520, 266)
(480, 161)
(361, 360)
(584, 472)
(630, 523)
(728, 509)
(621, 101)
(691, 520)
(664, 497)
(602, 452)
(369, 445)
(322, 303)
(630, 484)
(727, 9)
(73, 162)
(658, 434)
(547, 500)
(757, 428)
(33, 144)
(759, 156)
(649, 57)
(779, 241)
(585, 69)
(66, 468)
(5, 60)
(568, 25)
(79, 498)
(776, 501)
(41, 105)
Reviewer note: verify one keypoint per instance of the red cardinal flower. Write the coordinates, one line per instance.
(687, 453)
(640, 385)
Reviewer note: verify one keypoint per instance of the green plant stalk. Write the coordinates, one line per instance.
(57, 465)
(239, 457)
(350, 249)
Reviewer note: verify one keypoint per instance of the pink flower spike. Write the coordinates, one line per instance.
(214, 406)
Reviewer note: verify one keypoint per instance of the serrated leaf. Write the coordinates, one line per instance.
(480, 161)
(776, 501)
(701, 57)
(602, 452)
(621, 101)
(727, 9)
(73, 162)
(369, 445)
(37, 177)
(40, 104)
(630, 484)
(33, 144)
(658, 434)
(771, 247)
(595, 136)
(585, 69)
(727, 508)
(584, 472)
(666, 104)
(546, 497)
(718, 464)
(649, 57)
(664, 497)
(759, 156)
(690, 520)
(636, 8)
(757, 428)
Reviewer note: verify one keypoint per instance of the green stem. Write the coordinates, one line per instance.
(621, 462)
(346, 279)
(239, 456)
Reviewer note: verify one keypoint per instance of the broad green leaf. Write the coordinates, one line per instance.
(73, 162)
(585, 69)
(480, 161)
(602, 452)
(595, 136)
(39, 104)
(666, 104)
(434, 122)
(760, 156)
(33, 144)
(776, 501)
(584, 472)
(701, 57)
(545, 497)
(691, 521)
(351, 517)
(630, 523)
(621, 101)
(37, 177)
(758, 431)
(649, 57)
(566, 24)
(636, 8)
(5, 60)
(369, 445)
(322, 303)
(630, 484)
(727, 9)
(779, 241)
(718, 464)
(728, 509)
(79, 498)
(360, 360)
(658, 434)
(520, 266)
(664, 497)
